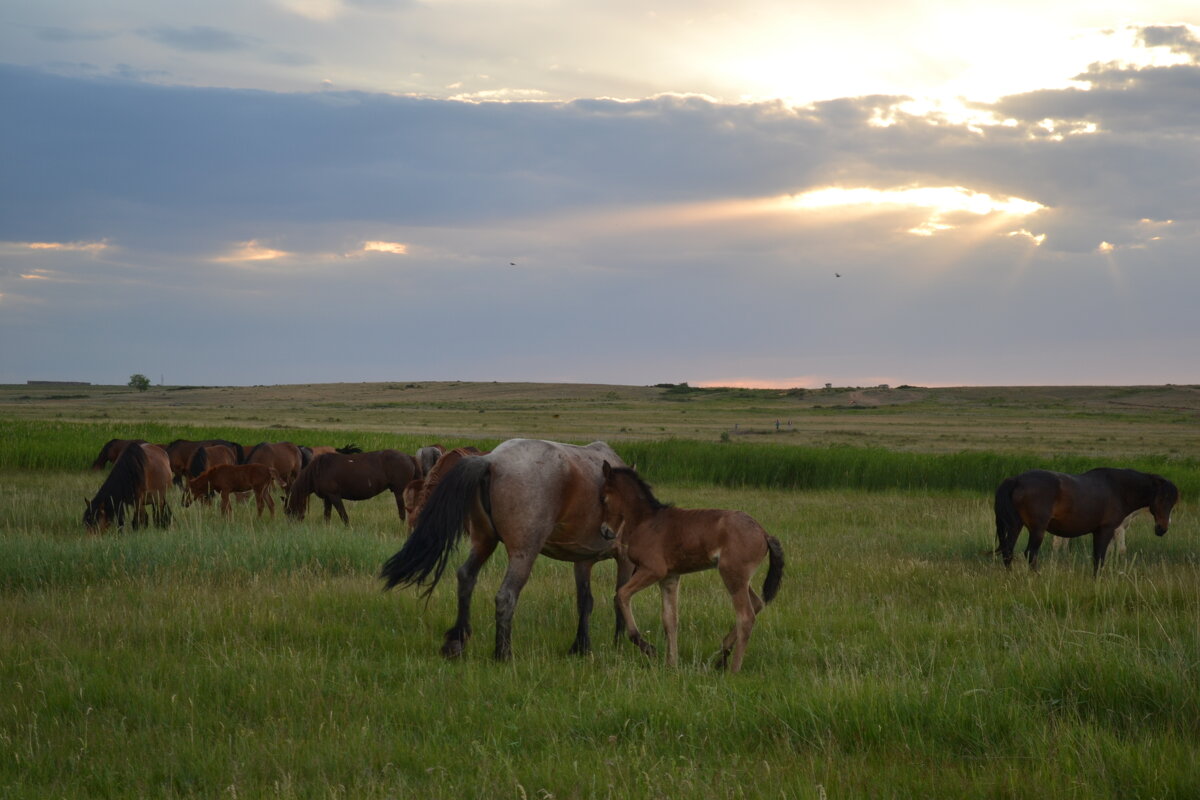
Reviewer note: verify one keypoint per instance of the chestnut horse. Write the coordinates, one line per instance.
(335, 477)
(180, 453)
(230, 478)
(141, 475)
(1098, 502)
(664, 543)
(112, 450)
(282, 457)
(535, 497)
(210, 455)
(416, 494)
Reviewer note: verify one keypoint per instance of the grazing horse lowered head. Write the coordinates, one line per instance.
(534, 497)
(1098, 502)
(140, 476)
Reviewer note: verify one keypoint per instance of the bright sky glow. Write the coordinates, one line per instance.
(394, 248)
(251, 251)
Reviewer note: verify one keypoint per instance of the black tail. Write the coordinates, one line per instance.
(199, 462)
(442, 523)
(774, 569)
(1008, 521)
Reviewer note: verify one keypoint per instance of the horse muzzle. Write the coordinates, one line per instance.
(1160, 530)
(607, 532)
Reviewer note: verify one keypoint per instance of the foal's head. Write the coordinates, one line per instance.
(622, 496)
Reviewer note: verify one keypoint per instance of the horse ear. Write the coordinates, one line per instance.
(607, 470)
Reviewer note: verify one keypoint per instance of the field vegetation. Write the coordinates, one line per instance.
(244, 657)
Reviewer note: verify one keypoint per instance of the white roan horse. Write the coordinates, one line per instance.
(535, 497)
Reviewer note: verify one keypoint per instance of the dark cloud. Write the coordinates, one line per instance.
(1179, 38)
(199, 39)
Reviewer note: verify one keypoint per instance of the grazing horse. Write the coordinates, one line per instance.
(141, 475)
(417, 493)
(210, 456)
(230, 478)
(535, 497)
(335, 477)
(282, 457)
(180, 453)
(664, 543)
(428, 456)
(1097, 502)
(112, 450)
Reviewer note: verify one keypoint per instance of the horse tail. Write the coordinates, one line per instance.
(238, 451)
(199, 462)
(1008, 520)
(443, 520)
(306, 456)
(774, 569)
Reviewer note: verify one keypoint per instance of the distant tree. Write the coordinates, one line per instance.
(139, 381)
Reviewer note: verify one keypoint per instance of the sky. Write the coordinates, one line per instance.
(761, 193)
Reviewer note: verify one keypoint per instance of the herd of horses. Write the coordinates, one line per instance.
(580, 504)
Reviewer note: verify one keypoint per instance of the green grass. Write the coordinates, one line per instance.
(252, 658)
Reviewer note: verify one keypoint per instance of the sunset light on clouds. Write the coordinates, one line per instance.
(769, 194)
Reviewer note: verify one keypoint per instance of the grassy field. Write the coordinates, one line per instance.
(249, 658)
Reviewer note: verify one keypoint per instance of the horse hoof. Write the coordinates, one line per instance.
(454, 648)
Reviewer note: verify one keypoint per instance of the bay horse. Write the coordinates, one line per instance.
(210, 455)
(335, 477)
(282, 457)
(663, 543)
(230, 478)
(1097, 502)
(180, 453)
(535, 497)
(140, 476)
(417, 493)
(111, 451)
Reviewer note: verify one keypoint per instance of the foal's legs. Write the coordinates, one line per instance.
(670, 616)
(746, 605)
(640, 580)
(456, 638)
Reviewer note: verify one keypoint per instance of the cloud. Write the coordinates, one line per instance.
(199, 39)
(1178, 38)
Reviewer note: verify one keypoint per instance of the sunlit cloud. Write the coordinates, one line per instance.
(75, 247)
(940, 201)
(1037, 239)
(1105, 247)
(393, 248)
(251, 251)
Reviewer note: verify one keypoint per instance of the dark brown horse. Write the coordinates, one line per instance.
(112, 450)
(228, 479)
(335, 477)
(1096, 502)
(141, 476)
(282, 457)
(533, 496)
(210, 455)
(664, 543)
(181, 451)
(417, 493)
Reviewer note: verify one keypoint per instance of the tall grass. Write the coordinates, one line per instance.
(259, 658)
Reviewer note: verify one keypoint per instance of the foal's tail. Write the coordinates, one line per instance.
(774, 569)
(443, 520)
(1008, 520)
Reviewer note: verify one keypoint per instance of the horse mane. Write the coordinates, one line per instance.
(349, 450)
(643, 488)
(303, 486)
(120, 487)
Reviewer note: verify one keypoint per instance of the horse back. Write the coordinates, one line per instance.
(686, 540)
(158, 467)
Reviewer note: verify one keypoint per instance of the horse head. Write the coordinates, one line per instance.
(96, 515)
(1166, 495)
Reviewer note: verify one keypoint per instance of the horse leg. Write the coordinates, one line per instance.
(640, 579)
(456, 638)
(328, 508)
(226, 510)
(583, 604)
(341, 509)
(669, 587)
(258, 503)
(270, 501)
(520, 565)
(624, 573)
(1036, 534)
(399, 495)
(1100, 542)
